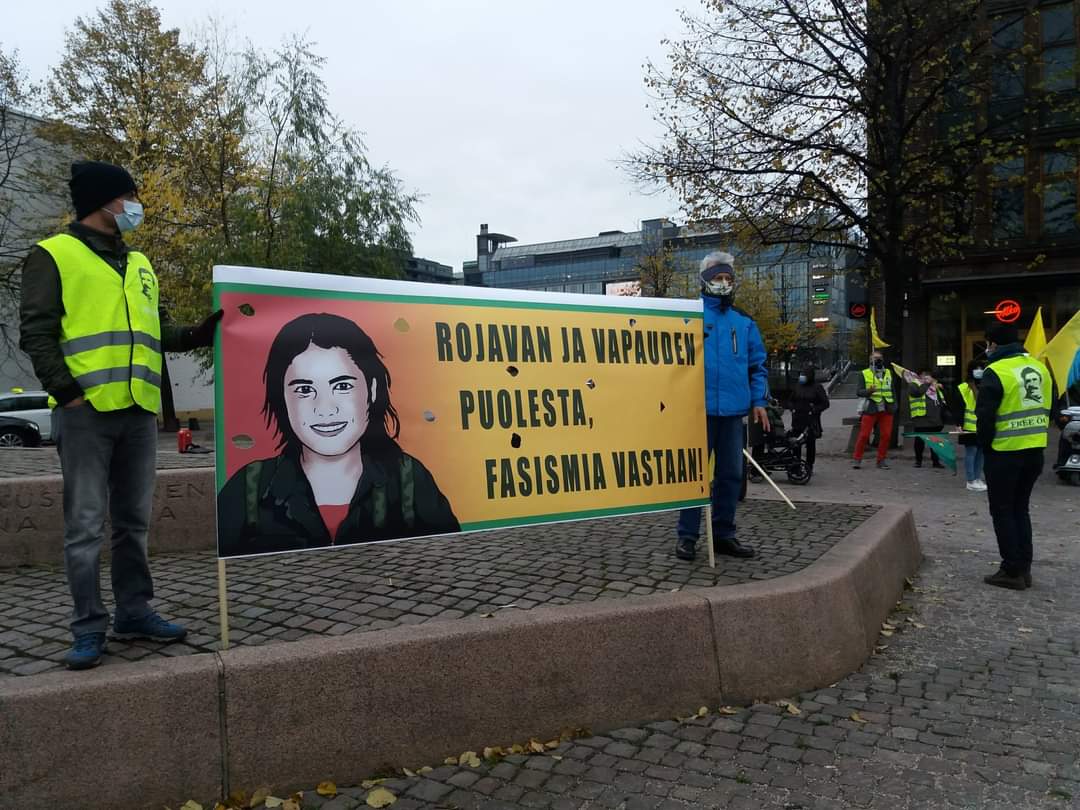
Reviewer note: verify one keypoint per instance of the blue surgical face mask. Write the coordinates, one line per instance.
(977, 373)
(130, 218)
(802, 379)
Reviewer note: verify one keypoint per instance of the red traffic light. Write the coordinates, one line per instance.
(857, 311)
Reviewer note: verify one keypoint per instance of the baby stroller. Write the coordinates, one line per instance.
(781, 451)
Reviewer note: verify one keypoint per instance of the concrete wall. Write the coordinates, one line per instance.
(32, 517)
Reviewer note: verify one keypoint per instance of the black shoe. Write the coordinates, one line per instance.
(684, 549)
(1005, 580)
(918, 463)
(1027, 580)
(733, 548)
(938, 466)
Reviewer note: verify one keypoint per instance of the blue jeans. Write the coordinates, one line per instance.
(725, 439)
(108, 460)
(973, 463)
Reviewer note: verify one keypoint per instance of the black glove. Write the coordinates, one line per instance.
(203, 334)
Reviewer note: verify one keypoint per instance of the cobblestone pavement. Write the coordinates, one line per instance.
(15, 462)
(286, 597)
(972, 701)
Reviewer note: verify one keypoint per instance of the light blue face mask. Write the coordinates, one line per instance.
(802, 379)
(130, 218)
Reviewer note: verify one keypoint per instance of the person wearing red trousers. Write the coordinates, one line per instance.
(879, 397)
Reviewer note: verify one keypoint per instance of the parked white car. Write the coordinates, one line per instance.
(30, 405)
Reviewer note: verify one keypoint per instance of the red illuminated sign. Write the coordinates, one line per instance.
(857, 311)
(1007, 311)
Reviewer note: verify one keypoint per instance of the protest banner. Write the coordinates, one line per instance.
(355, 410)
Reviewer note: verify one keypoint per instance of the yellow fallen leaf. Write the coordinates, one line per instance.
(556, 757)
(368, 784)
(493, 752)
(259, 797)
(291, 804)
(727, 710)
(857, 718)
(887, 626)
(793, 709)
(704, 710)
(425, 769)
(469, 758)
(408, 773)
(517, 748)
(450, 761)
(887, 633)
(534, 745)
(191, 804)
(380, 797)
(326, 789)
(272, 802)
(551, 744)
(880, 648)
(220, 806)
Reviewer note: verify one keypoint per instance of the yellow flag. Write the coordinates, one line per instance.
(1036, 337)
(1062, 354)
(877, 341)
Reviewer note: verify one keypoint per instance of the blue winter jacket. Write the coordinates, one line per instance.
(735, 374)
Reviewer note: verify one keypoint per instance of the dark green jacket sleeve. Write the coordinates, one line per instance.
(41, 307)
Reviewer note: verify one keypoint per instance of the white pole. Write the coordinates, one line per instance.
(768, 478)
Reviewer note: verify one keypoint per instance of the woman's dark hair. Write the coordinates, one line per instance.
(974, 364)
(329, 332)
(810, 373)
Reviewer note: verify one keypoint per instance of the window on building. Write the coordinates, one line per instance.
(1058, 33)
(1008, 199)
(1059, 180)
(1007, 84)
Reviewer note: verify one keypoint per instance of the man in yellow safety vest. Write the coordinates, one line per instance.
(877, 409)
(90, 324)
(1012, 412)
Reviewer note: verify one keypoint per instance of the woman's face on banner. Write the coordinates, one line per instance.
(327, 399)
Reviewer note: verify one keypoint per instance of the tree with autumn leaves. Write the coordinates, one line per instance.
(238, 156)
(852, 126)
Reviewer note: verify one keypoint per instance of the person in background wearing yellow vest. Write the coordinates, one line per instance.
(1012, 413)
(90, 324)
(879, 406)
(925, 414)
(973, 454)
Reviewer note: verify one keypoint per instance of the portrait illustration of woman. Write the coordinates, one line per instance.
(340, 477)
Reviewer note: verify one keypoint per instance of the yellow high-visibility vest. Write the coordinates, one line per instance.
(967, 393)
(884, 391)
(1023, 417)
(917, 406)
(110, 332)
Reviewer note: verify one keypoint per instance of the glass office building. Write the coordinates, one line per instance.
(809, 284)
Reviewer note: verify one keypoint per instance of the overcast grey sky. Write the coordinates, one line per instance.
(511, 113)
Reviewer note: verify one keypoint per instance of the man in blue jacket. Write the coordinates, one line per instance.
(736, 383)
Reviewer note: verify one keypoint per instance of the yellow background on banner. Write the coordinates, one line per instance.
(629, 407)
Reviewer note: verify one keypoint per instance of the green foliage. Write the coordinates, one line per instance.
(237, 154)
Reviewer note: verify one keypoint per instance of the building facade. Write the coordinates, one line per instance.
(1025, 215)
(426, 270)
(809, 285)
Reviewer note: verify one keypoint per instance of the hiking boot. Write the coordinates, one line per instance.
(883, 465)
(151, 627)
(1002, 579)
(733, 548)
(86, 651)
(684, 549)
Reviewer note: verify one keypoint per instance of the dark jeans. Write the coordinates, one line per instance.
(725, 438)
(107, 458)
(920, 446)
(1010, 477)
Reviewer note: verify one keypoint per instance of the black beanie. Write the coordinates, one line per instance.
(1001, 334)
(95, 184)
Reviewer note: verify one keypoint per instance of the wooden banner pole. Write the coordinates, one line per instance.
(709, 536)
(223, 604)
